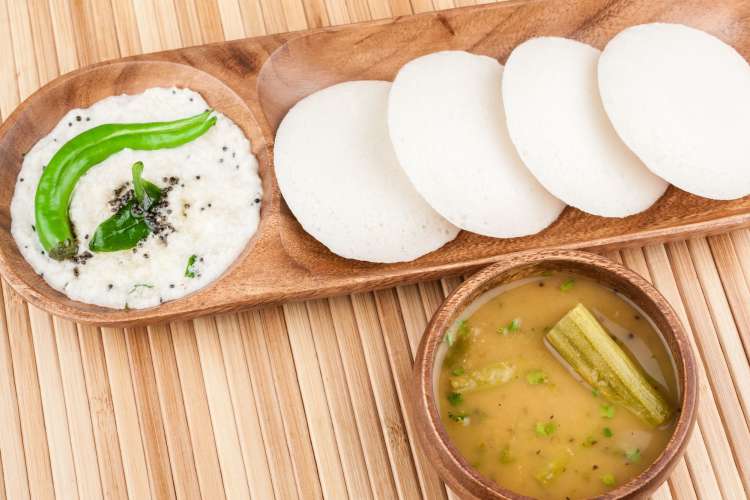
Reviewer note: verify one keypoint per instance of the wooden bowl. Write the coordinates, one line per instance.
(451, 466)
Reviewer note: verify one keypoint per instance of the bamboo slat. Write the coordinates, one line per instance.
(308, 400)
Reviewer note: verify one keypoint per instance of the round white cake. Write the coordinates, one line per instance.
(557, 123)
(447, 125)
(339, 175)
(680, 99)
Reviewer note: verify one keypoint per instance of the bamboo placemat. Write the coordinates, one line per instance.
(305, 400)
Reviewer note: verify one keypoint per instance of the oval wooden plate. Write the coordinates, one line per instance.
(255, 81)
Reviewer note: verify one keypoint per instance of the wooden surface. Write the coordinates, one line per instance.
(255, 84)
(305, 400)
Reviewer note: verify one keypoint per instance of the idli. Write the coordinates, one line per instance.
(340, 177)
(680, 99)
(447, 125)
(557, 123)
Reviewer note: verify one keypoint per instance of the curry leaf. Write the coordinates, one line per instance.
(120, 232)
(128, 225)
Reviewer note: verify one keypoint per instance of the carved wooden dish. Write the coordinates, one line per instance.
(451, 466)
(255, 86)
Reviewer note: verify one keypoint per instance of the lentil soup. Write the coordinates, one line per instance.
(524, 418)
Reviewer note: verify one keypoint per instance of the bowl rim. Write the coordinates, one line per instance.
(451, 465)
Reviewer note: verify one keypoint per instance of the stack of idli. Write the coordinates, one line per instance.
(447, 124)
(387, 172)
(340, 177)
(680, 99)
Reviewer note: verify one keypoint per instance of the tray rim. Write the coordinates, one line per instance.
(125, 318)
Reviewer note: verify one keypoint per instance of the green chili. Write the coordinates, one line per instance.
(77, 156)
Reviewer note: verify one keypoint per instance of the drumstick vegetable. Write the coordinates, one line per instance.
(77, 156)
(483, 378)
(595, 356)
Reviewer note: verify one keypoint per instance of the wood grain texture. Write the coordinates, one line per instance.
(255, 81)
(195, 390)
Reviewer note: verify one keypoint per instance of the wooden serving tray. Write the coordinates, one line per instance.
(255, 81)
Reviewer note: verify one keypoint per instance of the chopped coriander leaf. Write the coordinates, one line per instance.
(190, 270)
(459, 418)
(513, 326)
(567, 284)
(462, 330)
(536, 377)
(506, 456)
(545, 429)
(608, 479)
(595, 392)
(608, 432)
(455, 398)
(457, 372)
(140, 285)
(633, 455)
(607, 411)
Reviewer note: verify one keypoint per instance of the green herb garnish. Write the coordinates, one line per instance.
(513, 326)
(461, 331)
(145, 192)
(536, 377)
(457, 372)
(190, 268)
(567, 284)
(460, 418)
(129, 225)
(455, 398)
(607, 411)
(545, 429)
(608, 479)
(633, 455)
(607, 432)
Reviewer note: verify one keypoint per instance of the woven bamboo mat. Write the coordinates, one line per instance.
(306, 400)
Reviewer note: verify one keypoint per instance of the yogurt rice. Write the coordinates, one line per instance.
(213, 195)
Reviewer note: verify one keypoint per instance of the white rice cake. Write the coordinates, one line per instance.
(680, 99)
(447, 125)
(215, 204)
(340, 177)
(559, 127)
